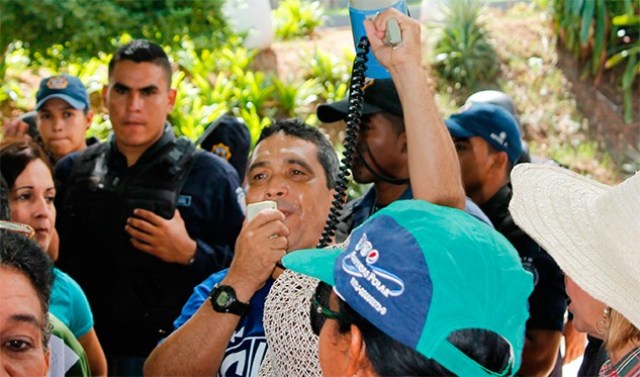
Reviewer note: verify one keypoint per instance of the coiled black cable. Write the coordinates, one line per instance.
(354, 116)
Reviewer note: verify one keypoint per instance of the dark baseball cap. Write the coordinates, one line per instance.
(230, 140)
(380, 95)
(66, 87)
(490, 122)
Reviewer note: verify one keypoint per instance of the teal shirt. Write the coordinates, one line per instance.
(69, 304)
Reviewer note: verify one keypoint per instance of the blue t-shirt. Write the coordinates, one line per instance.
(69, 304)
(248, 344)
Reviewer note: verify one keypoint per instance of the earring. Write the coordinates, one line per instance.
(602, 326)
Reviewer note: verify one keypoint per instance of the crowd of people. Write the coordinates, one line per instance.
(132, 256)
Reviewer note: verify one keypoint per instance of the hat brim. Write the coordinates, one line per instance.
(317, 263)
(333, 112)
(556, 208)
(456, 130)
(78, 105)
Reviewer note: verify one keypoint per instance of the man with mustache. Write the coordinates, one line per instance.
(220, 329)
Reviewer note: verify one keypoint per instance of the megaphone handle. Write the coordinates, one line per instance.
(392, 34)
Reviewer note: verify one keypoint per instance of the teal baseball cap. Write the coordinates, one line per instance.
(419, 272)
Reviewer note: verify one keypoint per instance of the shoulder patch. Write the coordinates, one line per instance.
(222, 150)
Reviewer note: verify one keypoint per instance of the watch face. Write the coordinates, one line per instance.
(224, 298)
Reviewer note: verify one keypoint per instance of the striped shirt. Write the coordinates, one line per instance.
(629, 366)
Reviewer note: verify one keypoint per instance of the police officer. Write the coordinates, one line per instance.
(489, 143)
(144, 217)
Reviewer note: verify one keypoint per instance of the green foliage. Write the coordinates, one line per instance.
(603, 34)
(297, 18)
(630, 52)
(463, 54)
(331, 72)
(295, 99)
(83, 28)
(326, 67)
(209, 82)
(254, 121)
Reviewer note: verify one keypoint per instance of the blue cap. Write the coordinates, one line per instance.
(490, 122)
(65, 87)
(418, 272)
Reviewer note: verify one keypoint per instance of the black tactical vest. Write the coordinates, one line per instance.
(129, 290)
(154, 185)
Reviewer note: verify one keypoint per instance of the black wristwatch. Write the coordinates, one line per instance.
(223, 300)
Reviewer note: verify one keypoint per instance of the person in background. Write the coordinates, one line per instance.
(381, 154)
(229, 138)
(498, 98)
(26, 171)
(418, 290)
(574, 341)
(61, 118)
(591, 230)
(489, 143)
(58, 124)
(144, 216)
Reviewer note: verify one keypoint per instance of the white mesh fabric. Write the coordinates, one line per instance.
(292, 346)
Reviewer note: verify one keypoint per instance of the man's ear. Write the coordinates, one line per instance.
(47, 362)
(501, 160)
(402, 139)
(358, 359)
(89, 118)
(172, 98)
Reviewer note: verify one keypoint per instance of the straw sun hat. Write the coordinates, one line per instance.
(591, 230)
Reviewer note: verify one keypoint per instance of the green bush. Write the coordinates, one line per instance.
(463, 55)
(297, 18)
(602, 34)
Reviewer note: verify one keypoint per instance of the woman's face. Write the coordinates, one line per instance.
(333, 346)
(31, 201)
(587, 311)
